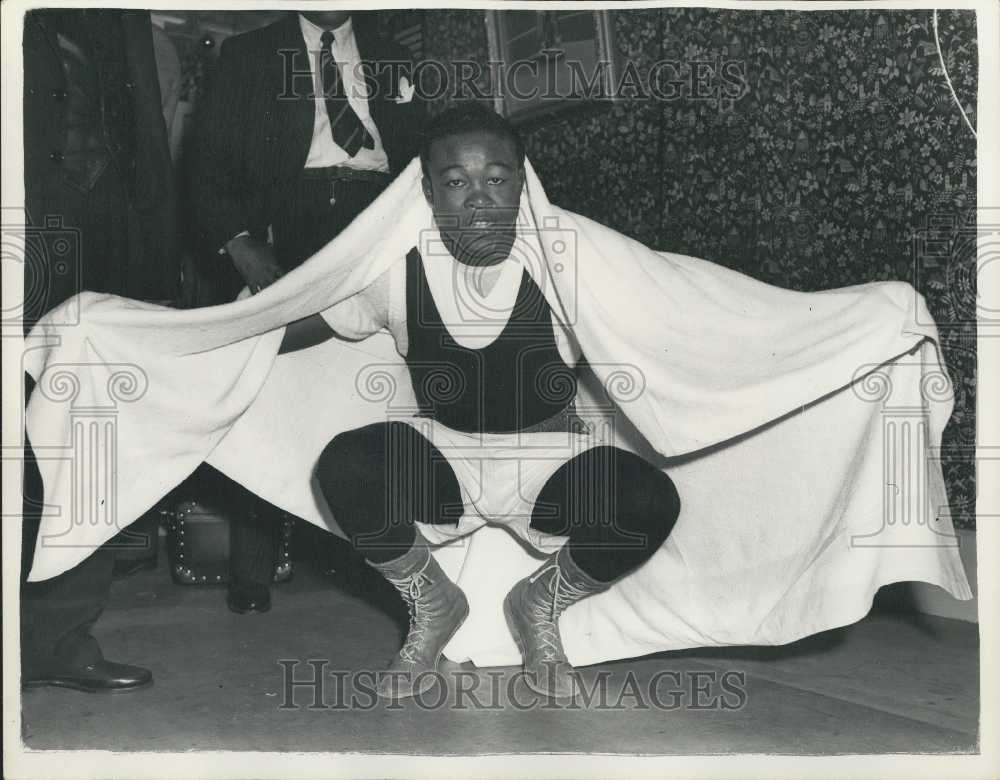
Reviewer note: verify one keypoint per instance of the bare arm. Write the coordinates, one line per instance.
(357, 317)
(307, 332)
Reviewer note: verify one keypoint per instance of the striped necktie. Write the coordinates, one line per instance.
(348, 131)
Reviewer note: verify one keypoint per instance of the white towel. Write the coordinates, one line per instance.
(799, 427)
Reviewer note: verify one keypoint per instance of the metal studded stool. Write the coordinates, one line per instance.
(198, 545)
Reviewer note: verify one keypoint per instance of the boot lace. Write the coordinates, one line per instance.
(546, 615)
(420, 618)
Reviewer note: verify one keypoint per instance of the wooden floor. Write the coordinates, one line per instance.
(891, 683)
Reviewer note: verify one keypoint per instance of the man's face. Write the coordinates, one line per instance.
(473, 186)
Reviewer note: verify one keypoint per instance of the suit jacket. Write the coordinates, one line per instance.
(256, 123)
(92, 114)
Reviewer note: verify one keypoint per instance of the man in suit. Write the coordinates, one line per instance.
(96, 156)
(99, 199)
(307, 121)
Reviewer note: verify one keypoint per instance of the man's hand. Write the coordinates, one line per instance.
(255, 262)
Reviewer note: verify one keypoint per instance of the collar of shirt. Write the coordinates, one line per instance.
(343, 36)
(323, 150)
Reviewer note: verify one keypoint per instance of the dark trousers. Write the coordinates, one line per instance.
(615, 508)
(310, 220)
(308, 223)
(77, 241)
(57, 614)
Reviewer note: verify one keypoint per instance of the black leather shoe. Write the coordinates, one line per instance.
(100, 677)
(248, 597)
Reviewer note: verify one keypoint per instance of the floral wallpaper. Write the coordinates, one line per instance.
(842, 154)
(842, 159)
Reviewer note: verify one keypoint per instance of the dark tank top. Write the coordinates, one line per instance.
(517, 382)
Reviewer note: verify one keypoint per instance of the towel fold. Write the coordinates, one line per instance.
(799, 428)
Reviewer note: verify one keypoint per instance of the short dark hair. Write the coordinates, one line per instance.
(467, 117)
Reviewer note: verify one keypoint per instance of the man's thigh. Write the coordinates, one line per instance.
(388, 473)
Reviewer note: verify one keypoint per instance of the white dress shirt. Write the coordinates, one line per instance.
(324, 151)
